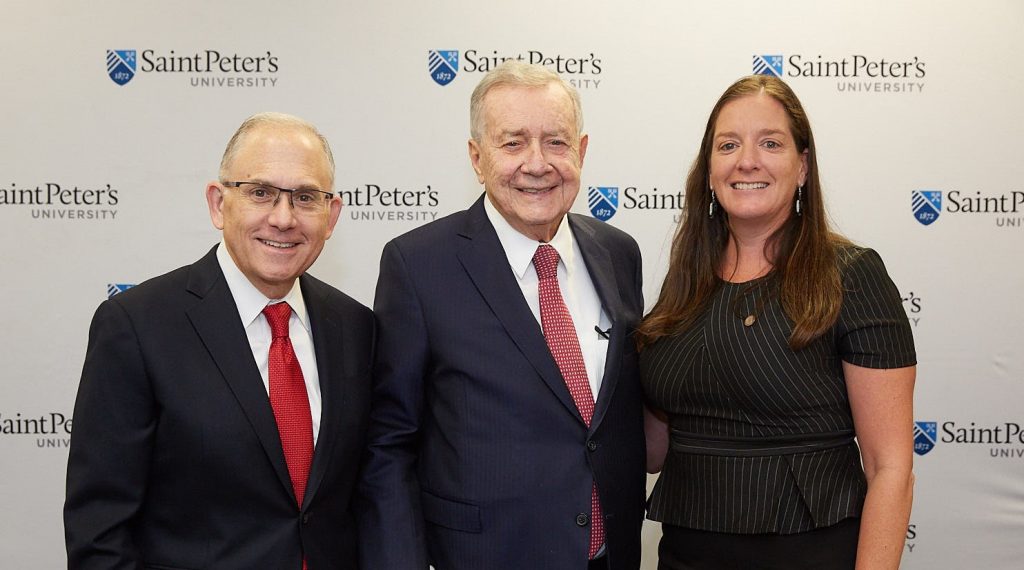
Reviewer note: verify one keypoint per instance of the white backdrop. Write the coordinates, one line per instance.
(907, 96)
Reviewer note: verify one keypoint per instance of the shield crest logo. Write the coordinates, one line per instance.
(768, 65)
(121, 65)
(926, 205)
(115, 288)
(443, 65)
(603, 201)
(924, 437)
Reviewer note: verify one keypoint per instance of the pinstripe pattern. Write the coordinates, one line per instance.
(722, 379)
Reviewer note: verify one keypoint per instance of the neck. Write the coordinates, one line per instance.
(273, 291)
(541, 233)
(745, 257)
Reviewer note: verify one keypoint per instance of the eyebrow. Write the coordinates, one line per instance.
(564, 133)
(299, 187)
(762, 132)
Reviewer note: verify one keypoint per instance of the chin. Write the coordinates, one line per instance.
(283, 276)
(542, 221)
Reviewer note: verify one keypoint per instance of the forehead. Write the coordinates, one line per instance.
(278, 140)
(753, 113)
(288, 151)
(517, 107)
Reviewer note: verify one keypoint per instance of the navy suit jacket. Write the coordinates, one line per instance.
(478, 457)
(175, 458)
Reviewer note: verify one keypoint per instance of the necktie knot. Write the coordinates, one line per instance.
(545, 261)
(277, 317)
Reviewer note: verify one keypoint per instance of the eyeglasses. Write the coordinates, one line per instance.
(263, 195)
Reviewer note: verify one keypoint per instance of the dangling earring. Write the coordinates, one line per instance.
(799, 194)
(711, 206)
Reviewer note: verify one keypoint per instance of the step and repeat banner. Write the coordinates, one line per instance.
(115, 115)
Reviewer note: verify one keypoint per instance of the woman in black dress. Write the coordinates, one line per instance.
(774, 343)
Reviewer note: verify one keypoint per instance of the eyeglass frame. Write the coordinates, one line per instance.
(290, 191)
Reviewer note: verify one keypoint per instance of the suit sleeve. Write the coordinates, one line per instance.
(108, 462)
(390, 519)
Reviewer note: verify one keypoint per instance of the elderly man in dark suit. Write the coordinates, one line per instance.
(222, 407)
(507, 429)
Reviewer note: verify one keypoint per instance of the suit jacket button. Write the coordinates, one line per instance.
(582, 519)
(592, 445)
(305, 518)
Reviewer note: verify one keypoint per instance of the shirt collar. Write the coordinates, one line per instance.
(248, 299)
(520, 249)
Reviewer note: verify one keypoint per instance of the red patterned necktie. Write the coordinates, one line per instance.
(289, 400)
(560, 334)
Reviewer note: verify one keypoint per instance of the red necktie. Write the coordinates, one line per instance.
(560, 334)
(289, 400)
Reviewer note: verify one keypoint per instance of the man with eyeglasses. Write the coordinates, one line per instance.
(222, 407)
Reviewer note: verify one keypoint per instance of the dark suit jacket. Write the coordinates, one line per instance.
(175, 458)
(478, 457)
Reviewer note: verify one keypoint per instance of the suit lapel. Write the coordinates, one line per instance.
(327, 344)
(216, 321)
(602, 273)
(485, 262)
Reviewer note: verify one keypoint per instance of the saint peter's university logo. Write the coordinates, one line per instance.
(121, 65)
(924, 437)
(768, 65)
(443, 65)
(115, 288)
(926, 205)
(603, 201)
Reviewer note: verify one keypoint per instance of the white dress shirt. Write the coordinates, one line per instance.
(250, 303)
(573, 280)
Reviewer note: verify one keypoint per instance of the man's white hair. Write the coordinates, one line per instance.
(517, 73)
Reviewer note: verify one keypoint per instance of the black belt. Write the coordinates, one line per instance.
(698, 444)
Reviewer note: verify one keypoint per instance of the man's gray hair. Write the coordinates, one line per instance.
(517, 73)
(269, 119)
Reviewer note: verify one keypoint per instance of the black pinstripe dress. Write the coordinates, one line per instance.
(762, 436)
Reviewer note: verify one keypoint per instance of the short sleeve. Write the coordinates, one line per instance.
(872, 330)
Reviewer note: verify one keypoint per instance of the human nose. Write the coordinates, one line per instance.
(534, 161)
(748, 159)
(282, 214)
